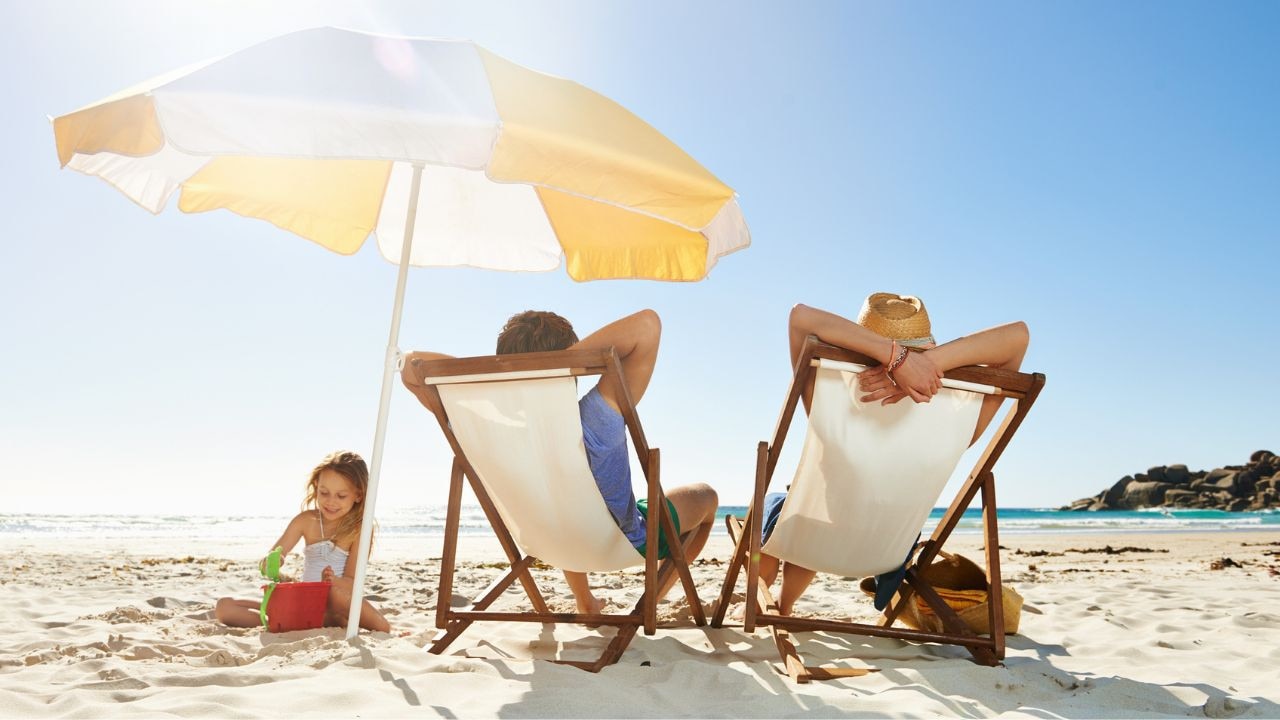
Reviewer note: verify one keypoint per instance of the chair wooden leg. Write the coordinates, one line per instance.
(782, 637)
(740, 531)
(754, 528)
(493, 592)
(448, 556)
(790, 655)
(677, 553)
(508, 544)
(611, 654)
(735, 565)
(951, 622)
(995, 590)
(896, 605)
(619, 645)
(659, 525)
(651, 529)
(898, 602)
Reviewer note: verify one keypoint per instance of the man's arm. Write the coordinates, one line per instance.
(635, 339)
(412, 378)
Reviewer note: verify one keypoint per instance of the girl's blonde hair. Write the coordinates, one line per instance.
(350, 466)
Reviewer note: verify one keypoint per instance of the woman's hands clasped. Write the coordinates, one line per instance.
(917, 377)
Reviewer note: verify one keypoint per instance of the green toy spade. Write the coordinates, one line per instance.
(271, 571)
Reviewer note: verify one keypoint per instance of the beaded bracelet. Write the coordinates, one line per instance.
(898, 359)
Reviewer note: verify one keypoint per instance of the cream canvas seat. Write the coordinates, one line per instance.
(513, 424)
(867, 478)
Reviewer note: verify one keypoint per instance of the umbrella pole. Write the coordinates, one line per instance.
(390, 367)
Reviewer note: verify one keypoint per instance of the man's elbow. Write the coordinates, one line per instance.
(648, 323)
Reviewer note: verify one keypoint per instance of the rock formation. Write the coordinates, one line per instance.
(1252, 486)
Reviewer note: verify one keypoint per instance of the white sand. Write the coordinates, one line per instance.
(103, 628)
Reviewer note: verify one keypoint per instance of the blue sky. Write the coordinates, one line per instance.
(1107, 172)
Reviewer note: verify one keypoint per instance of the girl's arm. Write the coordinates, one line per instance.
(294, 532)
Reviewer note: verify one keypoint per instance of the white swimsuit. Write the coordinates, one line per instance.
(322, 554)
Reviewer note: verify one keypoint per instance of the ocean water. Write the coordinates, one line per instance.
(429, 522)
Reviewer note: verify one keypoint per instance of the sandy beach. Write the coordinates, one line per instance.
(118, 628)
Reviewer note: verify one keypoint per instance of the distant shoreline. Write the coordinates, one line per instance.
(429, 522)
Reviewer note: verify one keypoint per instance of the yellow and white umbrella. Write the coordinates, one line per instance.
(447, 153)
(319, 132)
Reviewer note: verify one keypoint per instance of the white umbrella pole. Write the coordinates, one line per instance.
(389, 369)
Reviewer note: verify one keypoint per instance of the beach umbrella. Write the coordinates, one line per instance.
(445, 152)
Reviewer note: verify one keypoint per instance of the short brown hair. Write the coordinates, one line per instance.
(535, 331)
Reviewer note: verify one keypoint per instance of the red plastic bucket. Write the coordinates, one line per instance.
(297, 606)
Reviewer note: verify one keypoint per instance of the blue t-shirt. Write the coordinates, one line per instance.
(605, 435)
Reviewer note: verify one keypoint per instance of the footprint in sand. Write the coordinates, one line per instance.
(167, 603)
(126, 683)
(222, 658)
(144, 652)
(1256, 620)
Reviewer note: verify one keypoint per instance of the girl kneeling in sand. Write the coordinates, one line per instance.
(330, 525)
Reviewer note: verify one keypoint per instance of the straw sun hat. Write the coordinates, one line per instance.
(898, 317)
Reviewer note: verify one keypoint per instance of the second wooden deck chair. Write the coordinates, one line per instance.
(867, 479)
(512, 422)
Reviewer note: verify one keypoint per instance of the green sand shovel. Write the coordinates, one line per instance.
(271, 571)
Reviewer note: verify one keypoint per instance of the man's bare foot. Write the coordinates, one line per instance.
(590, 605)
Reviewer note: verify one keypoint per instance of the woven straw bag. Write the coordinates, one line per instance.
(963, 586)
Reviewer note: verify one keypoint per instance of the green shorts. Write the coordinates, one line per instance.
(663, 550)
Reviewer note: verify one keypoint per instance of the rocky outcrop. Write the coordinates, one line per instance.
(1252, 486)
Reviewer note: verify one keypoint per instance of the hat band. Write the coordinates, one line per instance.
(918, 342)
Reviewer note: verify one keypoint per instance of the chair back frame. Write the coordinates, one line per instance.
(1023, 389)
(504, 368)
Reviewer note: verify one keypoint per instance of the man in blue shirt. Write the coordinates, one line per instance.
(635, 340)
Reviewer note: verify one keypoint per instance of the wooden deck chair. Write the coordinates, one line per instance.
(866, 481)
(513, 424)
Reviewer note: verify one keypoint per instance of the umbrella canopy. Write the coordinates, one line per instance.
(318, 131)
(449, 154)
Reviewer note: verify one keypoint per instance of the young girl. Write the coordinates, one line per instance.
(330, 525)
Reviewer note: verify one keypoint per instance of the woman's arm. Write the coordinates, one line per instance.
(917, 376)
(1002, 347)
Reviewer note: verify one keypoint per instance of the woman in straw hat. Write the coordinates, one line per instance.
(895, 330)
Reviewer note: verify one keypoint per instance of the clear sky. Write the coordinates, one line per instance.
(1107, 172)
